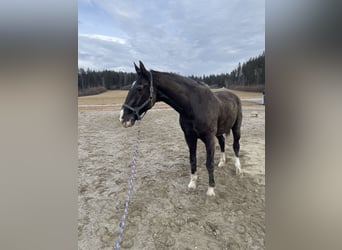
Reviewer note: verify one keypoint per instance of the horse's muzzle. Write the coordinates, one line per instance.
(126, 121)
(129, 123)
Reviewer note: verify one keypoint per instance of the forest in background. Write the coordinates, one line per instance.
(248, 76)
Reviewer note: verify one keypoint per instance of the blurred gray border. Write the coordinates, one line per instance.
(38, 128)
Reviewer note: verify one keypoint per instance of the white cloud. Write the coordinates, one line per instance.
(104, 38)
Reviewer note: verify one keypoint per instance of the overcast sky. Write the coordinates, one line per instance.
(183, 36)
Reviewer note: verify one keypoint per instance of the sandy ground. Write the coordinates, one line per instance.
(163, 213)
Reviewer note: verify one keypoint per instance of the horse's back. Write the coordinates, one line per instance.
(224, 94)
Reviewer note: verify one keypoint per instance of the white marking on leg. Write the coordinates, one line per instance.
(211, 191)
(193, 179)
(121, 115)
(222, 160)
(237, 166)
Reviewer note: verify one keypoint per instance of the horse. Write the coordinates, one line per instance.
(203, 114)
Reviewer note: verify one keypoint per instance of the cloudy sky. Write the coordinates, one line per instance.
(183, 36)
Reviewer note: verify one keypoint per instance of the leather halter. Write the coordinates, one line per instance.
(149, 100)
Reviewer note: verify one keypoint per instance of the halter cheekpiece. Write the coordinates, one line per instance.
(149, 100)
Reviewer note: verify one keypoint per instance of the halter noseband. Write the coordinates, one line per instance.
(137, 109)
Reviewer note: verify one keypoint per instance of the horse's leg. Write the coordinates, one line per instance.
(192, 144)
(221, 141)
(210, 147)
(236, 145)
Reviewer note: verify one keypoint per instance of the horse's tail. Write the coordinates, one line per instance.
(238, 121)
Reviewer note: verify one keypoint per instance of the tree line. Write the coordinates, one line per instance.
(248, 74)
(107, 79)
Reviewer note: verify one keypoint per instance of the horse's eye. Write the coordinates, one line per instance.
(139, 88)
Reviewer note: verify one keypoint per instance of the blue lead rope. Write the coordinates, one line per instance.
(130, 187)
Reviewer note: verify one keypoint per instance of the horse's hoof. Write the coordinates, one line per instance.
(192, 185)
(211, 191)
(221, 164)
(237, 166)
(193, 179)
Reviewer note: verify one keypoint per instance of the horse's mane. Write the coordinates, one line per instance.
(182, 79)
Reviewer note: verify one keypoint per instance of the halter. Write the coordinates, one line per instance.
(149, 100)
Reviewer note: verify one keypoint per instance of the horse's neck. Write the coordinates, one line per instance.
(173, 93)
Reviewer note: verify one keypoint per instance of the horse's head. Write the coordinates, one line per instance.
(140, 97)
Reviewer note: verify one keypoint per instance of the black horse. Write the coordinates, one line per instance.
(203, 114)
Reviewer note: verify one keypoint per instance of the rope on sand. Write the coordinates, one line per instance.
(130, 187)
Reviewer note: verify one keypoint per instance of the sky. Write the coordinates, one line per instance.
(189, 37)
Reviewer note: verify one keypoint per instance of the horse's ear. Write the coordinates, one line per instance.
(143, 69)
(137, 69)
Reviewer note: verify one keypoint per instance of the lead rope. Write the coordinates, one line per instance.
(130, 187)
